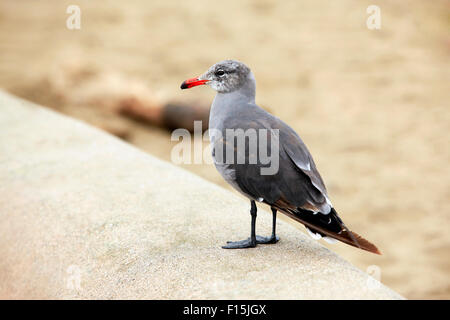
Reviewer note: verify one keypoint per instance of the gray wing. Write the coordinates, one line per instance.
(297, 183)
(298, 153)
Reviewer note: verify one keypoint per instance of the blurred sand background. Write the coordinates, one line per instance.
(372, 105)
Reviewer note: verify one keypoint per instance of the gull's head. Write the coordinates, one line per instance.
(225, 76)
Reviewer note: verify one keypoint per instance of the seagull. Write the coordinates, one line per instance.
(289, 182)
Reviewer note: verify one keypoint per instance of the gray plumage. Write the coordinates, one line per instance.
(235, 108)
(296, 188)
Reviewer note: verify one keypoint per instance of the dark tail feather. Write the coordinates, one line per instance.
(330, 225)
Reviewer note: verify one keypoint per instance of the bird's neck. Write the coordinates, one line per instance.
(229, 104)
(245, 93)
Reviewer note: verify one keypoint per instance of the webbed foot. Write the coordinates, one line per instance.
(243, 244)
(267, 240)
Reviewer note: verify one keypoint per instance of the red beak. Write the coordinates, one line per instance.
(189, 83)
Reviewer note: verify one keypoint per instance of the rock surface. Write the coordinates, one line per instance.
(85, 215)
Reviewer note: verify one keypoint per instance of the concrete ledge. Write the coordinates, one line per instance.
(85, 215)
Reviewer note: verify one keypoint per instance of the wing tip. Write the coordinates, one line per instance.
(345, 235)
(363, 244)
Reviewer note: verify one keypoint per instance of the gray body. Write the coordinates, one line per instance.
(297, 182)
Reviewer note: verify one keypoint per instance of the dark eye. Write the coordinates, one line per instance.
(220, 73)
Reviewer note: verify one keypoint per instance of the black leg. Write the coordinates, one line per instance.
(254, 239)
(250, 242)
(273, 238)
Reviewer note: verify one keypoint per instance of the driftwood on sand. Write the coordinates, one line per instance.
(170, 116)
